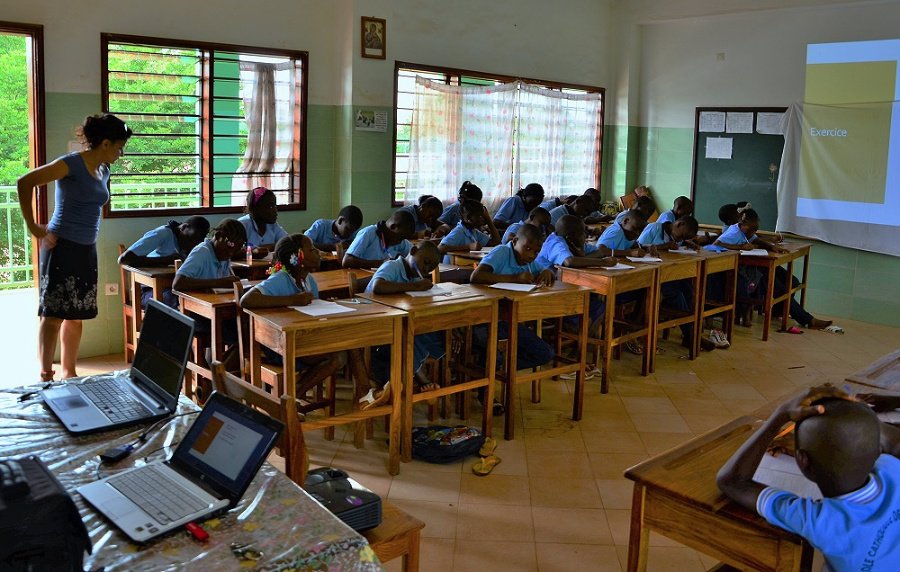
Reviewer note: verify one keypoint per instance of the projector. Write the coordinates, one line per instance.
(358, 507)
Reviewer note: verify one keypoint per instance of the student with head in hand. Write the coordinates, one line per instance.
(381, 241)
(327, 233)
(466, 235)
(517, 207)
(596, 215)
(425, 216)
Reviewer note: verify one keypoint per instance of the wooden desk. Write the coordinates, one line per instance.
(255, 271)
(336, 283)
(883, 373)
(437, 314)
(672, 268)
(557, 301)
(158, 279)
(396, 536)
(293, 334)
(726, 265)
(466, 258)
(676, 495)
(795, 251)
(275, 516)
(610, 283)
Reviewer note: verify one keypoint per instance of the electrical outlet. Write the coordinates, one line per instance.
(111, 289)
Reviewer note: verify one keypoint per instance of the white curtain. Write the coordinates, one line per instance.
(558, 140)
(461, 133)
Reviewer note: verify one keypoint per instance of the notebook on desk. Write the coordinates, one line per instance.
(149, 392)
(208, 472)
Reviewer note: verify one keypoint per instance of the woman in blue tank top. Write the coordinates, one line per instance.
(68, 255)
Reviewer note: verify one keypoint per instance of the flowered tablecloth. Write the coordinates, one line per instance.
(275, 516)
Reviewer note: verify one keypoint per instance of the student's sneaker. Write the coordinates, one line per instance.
(719, 338)
(590, 372)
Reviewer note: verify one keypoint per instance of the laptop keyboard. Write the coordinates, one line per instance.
(157, 494)
(113, 402)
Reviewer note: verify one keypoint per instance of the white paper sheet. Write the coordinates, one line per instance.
(712, 121)
(222, 290)
(644, 259)
(512, 286)
(769, 123)
(618, 266)
(739, 122)
(718, 147)
(892, 417)
(783, 473)
(318, 308)
(685, 251)
(755, 252)
(447, 289)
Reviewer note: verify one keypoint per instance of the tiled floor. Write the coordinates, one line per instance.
(558, 501)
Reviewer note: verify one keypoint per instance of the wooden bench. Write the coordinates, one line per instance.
(397, 535)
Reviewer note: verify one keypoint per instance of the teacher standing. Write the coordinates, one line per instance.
(68, 255)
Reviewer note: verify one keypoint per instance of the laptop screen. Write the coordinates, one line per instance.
(227, 444)
(163, 347)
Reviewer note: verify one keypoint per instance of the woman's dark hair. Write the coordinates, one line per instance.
(531, 190)
(254, 196)
(106, 126)
(287, 247)
(470, 191)
(231, 229)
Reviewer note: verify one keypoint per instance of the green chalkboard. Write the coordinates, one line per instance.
(750, 175)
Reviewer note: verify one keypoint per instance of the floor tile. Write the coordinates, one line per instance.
(479, 521)
(571, 525)
(568, 557)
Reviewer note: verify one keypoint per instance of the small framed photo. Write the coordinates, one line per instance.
(373, 38)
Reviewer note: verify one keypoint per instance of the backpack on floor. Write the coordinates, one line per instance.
(443, 444)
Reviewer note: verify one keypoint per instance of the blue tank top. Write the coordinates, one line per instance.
(79, 202)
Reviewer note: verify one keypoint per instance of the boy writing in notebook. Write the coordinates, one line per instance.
(620, 239)
(682, 207)
(842, 447)
(326, 233)
(425, 216)
(381, 241)
(539, 217)
(581, 207)
(466, 235)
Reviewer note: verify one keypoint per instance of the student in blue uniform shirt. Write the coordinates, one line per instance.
(467, 191)
(260, 221)
(620, 239)
(410, 273)
(539, 217)
(683, 206)
(852, 457)
(425, 216)
(581, 207)
(161, 246)
(327, 233)
(644, 206)
(381, 241)
(596, 215)
(466, 235)
(517, 207)
(516, 261)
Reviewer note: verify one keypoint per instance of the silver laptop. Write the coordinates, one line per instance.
(208, 473)
(149, 393)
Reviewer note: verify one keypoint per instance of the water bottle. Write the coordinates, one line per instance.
(249, 254)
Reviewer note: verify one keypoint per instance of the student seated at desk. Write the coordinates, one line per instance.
(516, 261)
(410, 273)
(643, 206)
(291, 284)
(539, 217)
(260, 221)
(465, 236)
(554, 202)
(842, 447)
(467, 191)
(620, 238)
(326, 233)
(682, 207)
(161, 247)
(596, 215)
(517, 207)
(381, 241)
(425, 216)
(581, 207)
(742, 236)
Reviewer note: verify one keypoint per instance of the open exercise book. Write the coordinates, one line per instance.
(755, 252)
(448, 289)
(647, 258)
(244, 282)
(318, 308)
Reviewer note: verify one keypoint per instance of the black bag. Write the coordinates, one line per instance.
(443, 444)
(40, 528)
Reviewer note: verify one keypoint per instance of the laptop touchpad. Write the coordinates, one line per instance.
(70, 402)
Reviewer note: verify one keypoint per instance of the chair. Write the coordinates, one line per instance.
(128, 309)
(290, 445)
(396, 536)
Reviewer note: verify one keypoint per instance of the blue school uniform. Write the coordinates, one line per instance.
(511, 231)
(854, 531)
(461, 236)
(420, 225)
(424, 345)
(512, 210)
(503, 260)
(550, 204)
(450, 216)
(282, 284)
(614, 238)
(273, 233)
(369, 245)
(322, 232)
(557, 213)
(621, 216)
(675, 293)
(156, 243)
(79, 202)
(734, 235)
(654, 234)
(668, 216)
(202, 263)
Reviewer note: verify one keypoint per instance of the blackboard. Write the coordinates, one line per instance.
(751, 174)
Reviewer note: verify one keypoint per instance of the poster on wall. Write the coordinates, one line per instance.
(712, 122)
(373, 38)
(370, 120)
(718, 147)
(739, 122)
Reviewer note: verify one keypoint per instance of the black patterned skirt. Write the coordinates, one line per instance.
(68, 285)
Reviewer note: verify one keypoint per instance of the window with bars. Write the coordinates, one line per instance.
(405, 95)
(210, 123)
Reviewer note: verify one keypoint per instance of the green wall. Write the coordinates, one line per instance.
(844, 282)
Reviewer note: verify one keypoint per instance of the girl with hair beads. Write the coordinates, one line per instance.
(260, 221)
(68, 244)
(517, 207)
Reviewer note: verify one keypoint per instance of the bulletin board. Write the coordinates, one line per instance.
(737, 155)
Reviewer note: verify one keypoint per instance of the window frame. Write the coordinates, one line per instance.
(299, 149)
(451, 73)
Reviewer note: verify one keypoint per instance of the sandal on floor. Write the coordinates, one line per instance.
(490, 445)
(485, 465)
(633, 346)
(498, 409)
(590, 372)
(833, 329)
(792, 330)
(371, 400)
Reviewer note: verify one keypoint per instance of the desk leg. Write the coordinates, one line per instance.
(578, 401)
(396, 384)
(409, 382)
(767, 305)
(652, 314)
(255, 357)
(290, 364)
(804, 279)
(606, 336)
(490, 360)
(639, 538)
(786, 305)
(512, 356)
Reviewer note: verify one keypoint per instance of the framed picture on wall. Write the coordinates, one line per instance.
(373, 38)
